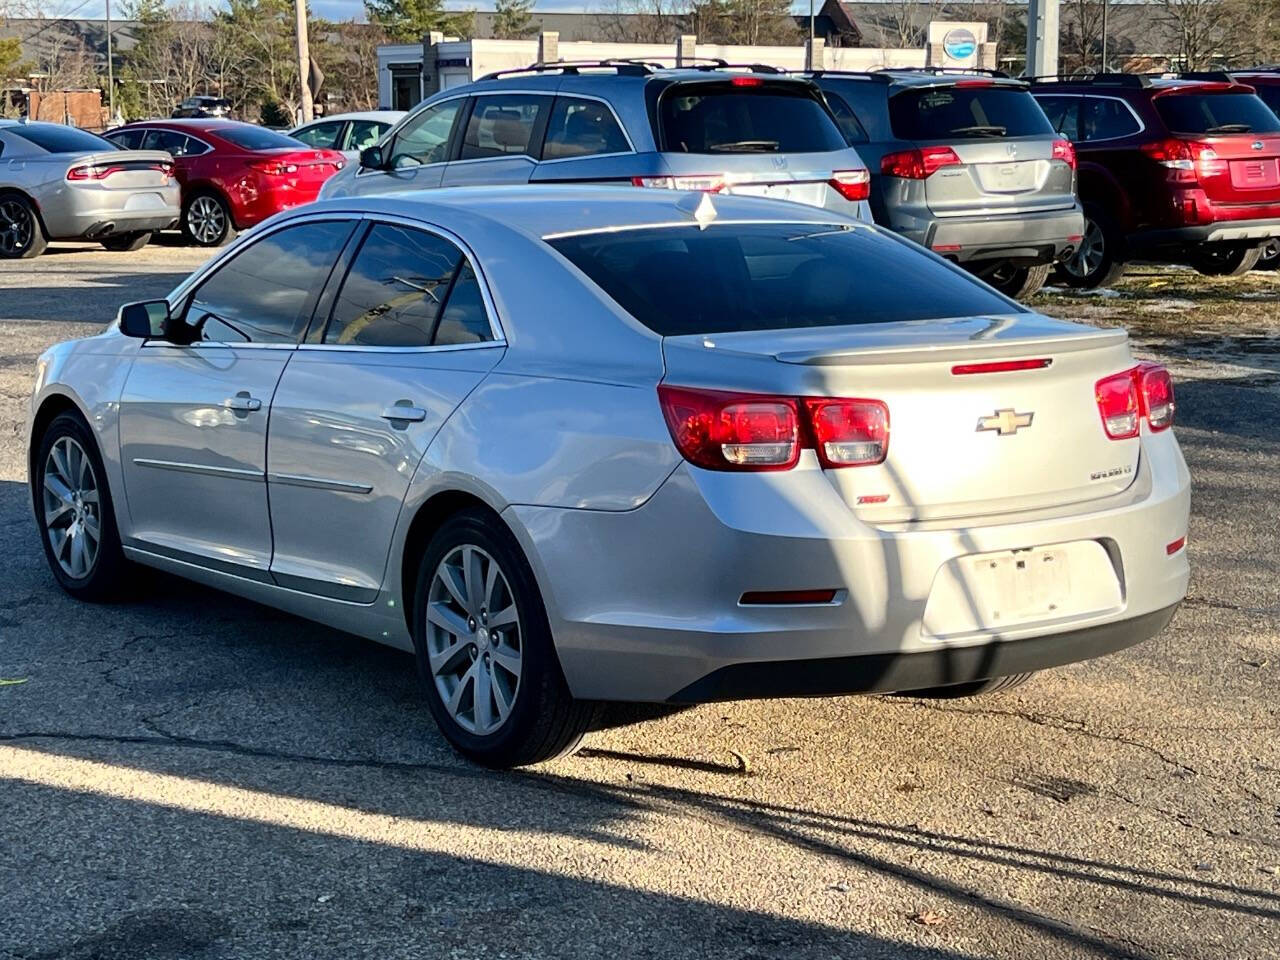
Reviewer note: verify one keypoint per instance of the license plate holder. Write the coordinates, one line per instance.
(1022, 584)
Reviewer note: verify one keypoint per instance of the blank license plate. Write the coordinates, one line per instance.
(1023, 584)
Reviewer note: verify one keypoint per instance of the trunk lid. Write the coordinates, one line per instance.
(961, 446)
(1247, 169)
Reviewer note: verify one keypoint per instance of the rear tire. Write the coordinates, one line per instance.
(1099, 260)
(485, 652)
(1018, 282)
(1221, 260)
(127, 242)
(21, 234)
(1270, 259)
(206, 220)
(974, 688)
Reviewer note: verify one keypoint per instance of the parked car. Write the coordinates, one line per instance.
(1266, 84)
(62, 183)
(233, 174)
(1170, 169)
(716, 128)
(348, 132)
(202, 107)
(964, 163)
(595, 443)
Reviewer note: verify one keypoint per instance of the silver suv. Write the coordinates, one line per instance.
(715, 127)
(965, 163)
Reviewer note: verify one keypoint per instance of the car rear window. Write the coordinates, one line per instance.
(757, 118)
(937, 113)
(257, 138)
(59, 139)
(1216, 113)
(772, 276)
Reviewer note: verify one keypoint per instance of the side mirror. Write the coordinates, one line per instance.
(145, 319)
(371, 158)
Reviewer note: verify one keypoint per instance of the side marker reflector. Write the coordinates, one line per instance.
(1177, 545)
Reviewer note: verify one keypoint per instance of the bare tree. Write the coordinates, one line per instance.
(1199, 29)
(1081, 36)
(645, 21)
(905, 23)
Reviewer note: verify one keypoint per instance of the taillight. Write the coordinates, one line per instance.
(718, 430)
(1187, 160)
(729, 431)
(1064, 150)
(166, 168)
(91, 172)
(1124, 399)
(849, 433)
(708, 183)
(851, 184)
(919, 163)
(746, 81)
(275, 168)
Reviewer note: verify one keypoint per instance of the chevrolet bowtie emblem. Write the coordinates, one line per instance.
(1005, 422)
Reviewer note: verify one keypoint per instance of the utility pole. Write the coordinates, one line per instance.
(1042, 38)
(111, 74)
(304, 62)
(1104, 36)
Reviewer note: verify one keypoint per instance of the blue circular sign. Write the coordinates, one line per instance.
(960, 43)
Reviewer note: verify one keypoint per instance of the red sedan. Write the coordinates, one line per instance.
(233, 174)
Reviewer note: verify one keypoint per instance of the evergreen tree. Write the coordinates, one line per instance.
(513, 20)
(408, 21)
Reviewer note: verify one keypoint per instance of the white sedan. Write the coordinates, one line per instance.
(348, 132)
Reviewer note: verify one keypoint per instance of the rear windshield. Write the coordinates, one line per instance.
(1269, 93)
(935, 113)
(723, 118)
(1216, 113)
(257, 138)
(772, 276)
(59, 139)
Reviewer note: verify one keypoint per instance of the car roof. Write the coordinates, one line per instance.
(1114, 83)
(618, 75)
(908, 77)
(552, 209)
(196, 124)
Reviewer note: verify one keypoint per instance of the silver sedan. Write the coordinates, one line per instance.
(61, 183)
(580, 445)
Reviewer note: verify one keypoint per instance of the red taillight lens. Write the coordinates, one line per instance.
(275, 168)
(1000, 366)
(711, 183)
(849, 433)
(746, 81)
(1187, 160)
(91, 172)
(1124, 399)
(1064, 150)
(917, 164)
(730, 431)
(851, 184)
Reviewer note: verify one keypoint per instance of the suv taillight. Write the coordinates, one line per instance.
(851, 184)
(1187, 160)
(1124, 399)
(718, 430)
(710, 183)
(1064, 150)
(918, 163)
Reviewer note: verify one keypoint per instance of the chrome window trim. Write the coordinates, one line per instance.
(318, 483)
(1102, 96)
(668, 224)
(631, 146)
(366, 347)
(522, 155)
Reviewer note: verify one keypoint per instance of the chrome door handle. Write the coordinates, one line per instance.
(402, 411)
(242, 403)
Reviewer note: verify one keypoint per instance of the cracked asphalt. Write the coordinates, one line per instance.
(188, 775)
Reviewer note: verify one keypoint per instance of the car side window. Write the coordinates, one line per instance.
(402, 284)
(425, 138)
(847, 120)
(1104, 118)
(365, 133)
(581, 128)
(320, 135)
(174, 144)
(1063, 113)
(265, 292)
(126, 139)
(502, 126)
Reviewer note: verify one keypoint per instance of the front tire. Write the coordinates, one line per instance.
(1222, 260)
(484, 649)
(74, 512)
(1018, 282)
(1099, 261)
(206, 220)
(21, 235)
(127, 242)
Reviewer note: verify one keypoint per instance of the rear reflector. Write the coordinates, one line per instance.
(947, 247)
(778, 597)
(1125, 399)
(1000, 366)
(852, 184)
(1177, 545)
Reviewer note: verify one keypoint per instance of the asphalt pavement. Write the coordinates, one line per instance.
(184, 774)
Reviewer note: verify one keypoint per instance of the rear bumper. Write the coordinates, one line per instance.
(1030, 237)
(1223, 231)
(73, 212)
(645, 604)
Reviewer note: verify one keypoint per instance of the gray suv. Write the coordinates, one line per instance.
(716, 127)
(966, 164)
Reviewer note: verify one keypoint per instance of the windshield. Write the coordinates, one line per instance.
(1216, 113)
(936, 113)
(59, 139)
(728, 118)
(770, 276)
(257, 138)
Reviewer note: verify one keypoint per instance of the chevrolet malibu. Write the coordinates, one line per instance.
(594, 444)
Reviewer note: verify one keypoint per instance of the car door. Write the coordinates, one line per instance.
(193, 417)
(182, 148)
(416, 155)
(393, 352)
(502, 137)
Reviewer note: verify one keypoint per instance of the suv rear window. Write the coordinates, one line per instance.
(936, 113)
(772, 276)
(1215, 113)
(757, 118)
(59, 139)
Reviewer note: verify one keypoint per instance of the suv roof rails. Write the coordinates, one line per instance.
(633, 68)
(1214, 76)
(943, 71)
(1132, 80)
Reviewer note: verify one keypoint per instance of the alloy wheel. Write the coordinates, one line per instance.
(474, 639)
(1088, 258)
(17, 227)
(206, 219)
(72, 517)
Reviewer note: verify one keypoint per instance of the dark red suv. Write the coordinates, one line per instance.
(1170, 169)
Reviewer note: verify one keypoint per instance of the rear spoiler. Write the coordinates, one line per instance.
(975, 349)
